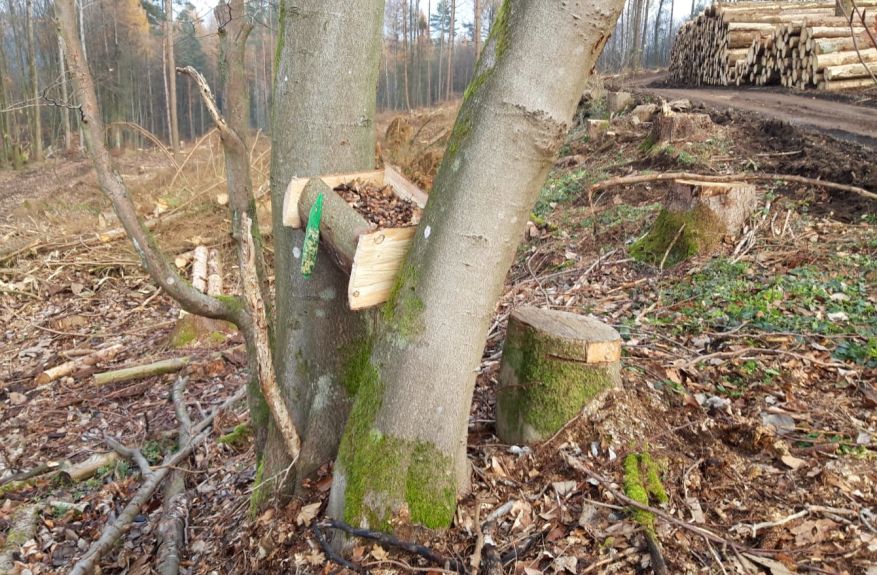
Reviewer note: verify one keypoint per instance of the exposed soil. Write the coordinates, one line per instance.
(379, 204)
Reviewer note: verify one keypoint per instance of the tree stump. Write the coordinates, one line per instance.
(618, 101)
(645, 112)
(554, 363)
(681, 127)
(596, 129)
(695, 218)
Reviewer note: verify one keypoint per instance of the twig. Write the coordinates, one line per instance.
(475, 561)
(758, 350)
(31, 473)
(114, 531)
(132, 454)
(172, 526)
(659, 565)
(643, 178)
(333, 555)
(670, 247)
(855, 40)
(390, 541)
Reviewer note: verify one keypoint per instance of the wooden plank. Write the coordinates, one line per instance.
(403, 187)
(290, 202)
(379, 256)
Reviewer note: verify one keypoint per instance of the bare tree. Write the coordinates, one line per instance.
(170, 76)
(36, 120)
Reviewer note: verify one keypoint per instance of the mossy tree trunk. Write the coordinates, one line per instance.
(325, 80)
(404, 446)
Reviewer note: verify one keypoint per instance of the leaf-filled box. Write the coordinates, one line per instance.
(368, 222)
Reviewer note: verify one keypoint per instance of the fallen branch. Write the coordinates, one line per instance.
(387, 540)
(31, 473)
(23, 528)
(77, 364)
(115, 530)
(644, 178)
(172, 526)
(138, 371)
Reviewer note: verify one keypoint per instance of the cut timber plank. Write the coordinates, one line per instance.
(291, 216)
(379, 255)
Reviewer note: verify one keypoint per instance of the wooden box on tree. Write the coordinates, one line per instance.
(554, 364)
(371, 254)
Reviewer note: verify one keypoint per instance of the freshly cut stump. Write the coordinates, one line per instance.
(673, 127)
(618, 101)
(695, 219)
(554, 363)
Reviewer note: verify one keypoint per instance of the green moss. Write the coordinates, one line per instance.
(653, 479)
(552, 390)
(701, 232)
(259, 413)
(636, 490)
(238, 436)
(260, 490)
(184, 333)
(357, 360)
(403, 311)
(384, 472)
(499, 30)
(234, 303)
(429, 487)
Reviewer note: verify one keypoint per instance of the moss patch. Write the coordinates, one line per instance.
(385, 472)
(238, 437)
(700, 232)
(260, 490)
(404, 309)
(191, 330)
(642, 489)
(547, 389)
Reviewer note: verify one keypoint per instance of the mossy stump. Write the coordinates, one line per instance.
(696, 217)
(554, 363)
(194, 331)
(596, 129)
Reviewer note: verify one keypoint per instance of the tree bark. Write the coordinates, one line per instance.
(477, 28)
(36, 120)
(324, 104)
(404, 446)
(65, 112)
(170, 76)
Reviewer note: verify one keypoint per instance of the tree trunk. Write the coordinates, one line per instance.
(170, 76)
(36, 120)
(406, 48)
(451, 37)
(404, 446)
(654, 58)
(324, 105)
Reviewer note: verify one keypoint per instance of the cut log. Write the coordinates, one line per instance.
(138, 371)
(696, 217)
(645, 112)
(84, 469)
(199, 269)
(554, 364)
(849, 71)
(840, 85)
(78, 364)
(214, 273)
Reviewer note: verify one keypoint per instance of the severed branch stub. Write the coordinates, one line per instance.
(554, 364)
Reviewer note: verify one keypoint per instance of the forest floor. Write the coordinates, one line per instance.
(748, 373)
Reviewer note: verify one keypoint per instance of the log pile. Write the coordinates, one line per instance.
(794, 44)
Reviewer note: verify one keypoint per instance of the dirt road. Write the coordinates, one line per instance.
(841, 120)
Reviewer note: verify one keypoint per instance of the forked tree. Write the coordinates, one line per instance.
(405, 374)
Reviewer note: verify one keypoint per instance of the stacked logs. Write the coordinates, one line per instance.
(795, 44)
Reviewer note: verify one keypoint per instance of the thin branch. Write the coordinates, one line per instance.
(388, 540)
(111, 183)
(851, 18)
(132, 454)
(643, 178)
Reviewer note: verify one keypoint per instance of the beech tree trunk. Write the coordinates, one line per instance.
(324, 105)
(65, 112)
(404, 446)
